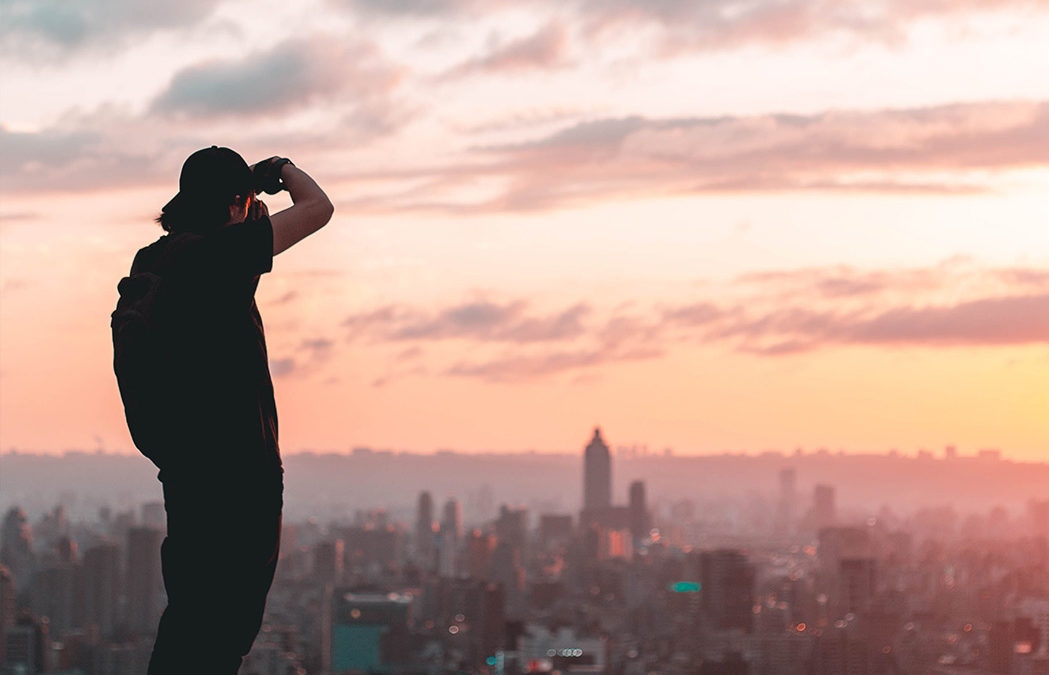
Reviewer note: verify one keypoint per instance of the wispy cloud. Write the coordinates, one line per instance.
(1006, 320)
(715, 24)
(57, 28)
(673, 27)
(482, 320)
(76, 154)
(518, 368)
(91, 150)
(772, 313)
(290, 75)
(954, 303)
(307, 358)
(545, 49)
(948, 148)
(282, 367)
(411, 8)
(727, 24)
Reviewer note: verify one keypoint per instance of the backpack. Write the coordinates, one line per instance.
(138, 360)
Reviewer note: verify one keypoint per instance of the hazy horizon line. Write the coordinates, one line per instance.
(363, 451)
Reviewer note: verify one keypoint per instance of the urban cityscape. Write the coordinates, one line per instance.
(626, 584)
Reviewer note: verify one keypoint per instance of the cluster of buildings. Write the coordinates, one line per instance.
(788, 586)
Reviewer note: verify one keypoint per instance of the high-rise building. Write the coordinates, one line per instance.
(597, 474)
(856, 584)
(452, 518)
(507, 571)
(366, 632)
(479, 548)
(555, 529)
(638, 511)
(371, 547)
(16, 547)
(512, 527)
(424, 540)
(328, 557)
(8, 606)
(154, 515)
(145, 585)
(477, 610)
(451, 537)
(728, 589)
(55, 591)
(787, 502)
(26, 645)
(847, 569)
(824, 513)
(102, 586)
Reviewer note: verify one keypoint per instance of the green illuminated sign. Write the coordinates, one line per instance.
(685, 587)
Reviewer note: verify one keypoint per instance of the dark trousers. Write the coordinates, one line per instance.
(218, 560)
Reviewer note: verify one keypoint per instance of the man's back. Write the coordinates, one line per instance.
(213, 378)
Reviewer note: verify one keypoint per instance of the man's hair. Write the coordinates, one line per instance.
(211, 181)
(199, 218)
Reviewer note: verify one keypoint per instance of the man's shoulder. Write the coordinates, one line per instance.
(149, 257)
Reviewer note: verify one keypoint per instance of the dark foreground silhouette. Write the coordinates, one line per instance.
(190, 358)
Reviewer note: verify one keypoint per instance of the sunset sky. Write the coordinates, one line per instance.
(709, 226)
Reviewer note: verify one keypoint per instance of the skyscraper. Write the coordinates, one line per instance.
(597, 474)
(452, 518)
(145, 586)
(424, 553)
(451, 537)
(8, 606)
(728, 589)
(328, 560)
(102, 585)
(823, 511)
(16, 547)
(638, 511)
(787, 499)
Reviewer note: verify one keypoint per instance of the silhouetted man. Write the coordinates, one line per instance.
(190, 356)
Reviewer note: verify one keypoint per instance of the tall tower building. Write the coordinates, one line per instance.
(787, 502)
(728, 589)
(451, 537)
(638, 511)
(145, 585)
(328, 561)
(424, 549)
(823, 509)
(102, 586)
(8, 607)
(597, 474)
(16, 547)
(452, 518)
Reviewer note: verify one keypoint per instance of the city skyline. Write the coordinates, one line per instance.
(704, 226)
(781, 581)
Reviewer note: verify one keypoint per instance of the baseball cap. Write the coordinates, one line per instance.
(211, 175)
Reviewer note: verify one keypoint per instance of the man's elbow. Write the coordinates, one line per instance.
(322, 212)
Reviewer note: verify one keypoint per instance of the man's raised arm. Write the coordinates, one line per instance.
(310, 210)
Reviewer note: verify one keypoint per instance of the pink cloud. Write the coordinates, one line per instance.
(948, 148)
(773, 314)
(543, 50)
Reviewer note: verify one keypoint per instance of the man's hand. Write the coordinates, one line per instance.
(257, 209)
(267, 174)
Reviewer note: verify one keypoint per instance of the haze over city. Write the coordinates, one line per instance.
(619, 562)
(708, 226)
